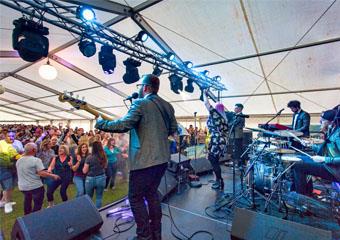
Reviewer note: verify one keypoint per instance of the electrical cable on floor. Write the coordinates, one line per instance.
(174, 224)
(128, 220)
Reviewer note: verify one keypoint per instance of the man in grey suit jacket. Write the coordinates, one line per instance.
(301, 119)
(150, 121)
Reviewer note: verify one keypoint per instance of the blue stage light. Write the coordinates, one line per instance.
(170, 56)
(188, 64)
(85, 13)
(142, 36)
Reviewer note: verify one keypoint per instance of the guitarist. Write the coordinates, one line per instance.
(150, 121)
(326, 164)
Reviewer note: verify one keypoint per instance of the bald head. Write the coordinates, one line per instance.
(30, 149)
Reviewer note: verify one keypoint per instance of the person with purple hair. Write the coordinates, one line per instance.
(218, 127)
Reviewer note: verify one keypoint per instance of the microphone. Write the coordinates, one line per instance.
(133, 96)
(242, 115)
(279, 112)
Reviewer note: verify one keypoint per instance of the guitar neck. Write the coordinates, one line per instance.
(96, 113)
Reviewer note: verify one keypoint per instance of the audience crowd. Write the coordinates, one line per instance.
(32, 156)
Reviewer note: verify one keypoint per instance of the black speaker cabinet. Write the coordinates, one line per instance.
(74, 219)
(201, 165)
(167, 185)
(251, 225)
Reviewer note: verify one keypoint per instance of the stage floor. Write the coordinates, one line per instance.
(192, 210)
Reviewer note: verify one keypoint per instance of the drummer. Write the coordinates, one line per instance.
(326, 164)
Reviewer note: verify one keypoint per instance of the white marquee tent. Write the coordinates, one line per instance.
(222, 36)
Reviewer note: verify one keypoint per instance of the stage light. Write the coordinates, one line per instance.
(189, 87)
(29, 40)
(188, 64)
(157, 71)
(176, 83)
(85, 13)
(47, 71)
(131, 75)
(107, 59)
(87, 47)
(170, 56)
(205, 72)
(142, 36)
(218, 78)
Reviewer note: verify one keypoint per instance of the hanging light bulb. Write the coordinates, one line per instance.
(47, 71)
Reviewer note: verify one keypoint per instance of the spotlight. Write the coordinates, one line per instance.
(188, 64)
(157, 71)
(218, 78)
(47, 71)
(189, 87)
(29, 40)
(170, 56)
(142, 36)
(107, 59)
(131, 75)
(176, 83)
(85, 13)
(205, 72)
(87, 47)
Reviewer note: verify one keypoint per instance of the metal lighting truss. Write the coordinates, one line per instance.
(65, 17)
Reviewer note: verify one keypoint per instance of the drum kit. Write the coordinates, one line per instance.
(269, 171)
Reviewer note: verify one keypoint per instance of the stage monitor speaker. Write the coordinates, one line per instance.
(250, 225)
(171, 183)
(201, 165)
(74, 219)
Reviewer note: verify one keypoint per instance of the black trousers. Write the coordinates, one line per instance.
(37, 195)
(143, 185)
(308, 167)
(215, 163)
(65, 180)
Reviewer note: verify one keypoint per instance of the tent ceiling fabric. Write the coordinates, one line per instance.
(200, 34)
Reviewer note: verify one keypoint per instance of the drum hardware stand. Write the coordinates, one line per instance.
(278, 188)
(244, 192)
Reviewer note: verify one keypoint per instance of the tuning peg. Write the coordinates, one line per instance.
(83, 99)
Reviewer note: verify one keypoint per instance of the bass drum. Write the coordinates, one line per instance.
(264, 177)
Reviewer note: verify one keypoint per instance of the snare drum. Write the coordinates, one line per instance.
(290, 158)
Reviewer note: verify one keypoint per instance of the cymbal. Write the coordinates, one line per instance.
(288, 133)
(279, 142)
(282, 151)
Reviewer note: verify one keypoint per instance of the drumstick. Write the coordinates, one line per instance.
(295, 137)
(296, 149)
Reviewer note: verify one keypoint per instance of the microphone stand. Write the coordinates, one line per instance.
(267, 123)
(196, 184)
(233, 152)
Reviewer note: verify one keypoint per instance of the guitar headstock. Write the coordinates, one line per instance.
(74, 101)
